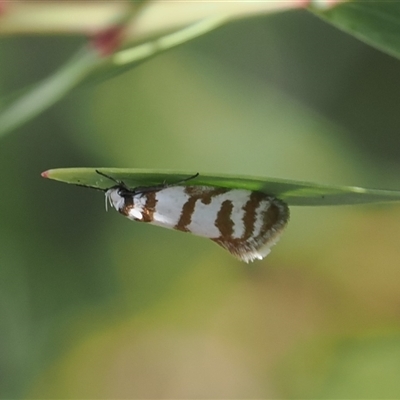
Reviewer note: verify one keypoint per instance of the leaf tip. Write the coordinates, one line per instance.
(45, 174)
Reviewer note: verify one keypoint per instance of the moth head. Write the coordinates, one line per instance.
(115, 196)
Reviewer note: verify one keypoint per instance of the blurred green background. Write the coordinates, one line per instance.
(95, 306)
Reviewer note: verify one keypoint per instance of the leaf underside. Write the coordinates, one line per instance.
(292, 192)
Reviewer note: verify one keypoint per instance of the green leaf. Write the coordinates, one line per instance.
(36, 99)
(376, 23)
(89, 66)
(292, 192)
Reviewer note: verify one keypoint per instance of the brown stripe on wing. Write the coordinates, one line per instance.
(270, 218)
(149, 207)
(128, 205)
(250, 213)
(224, 221)
(203, 193)
(209, 194)
(186, 214)
(275, 218)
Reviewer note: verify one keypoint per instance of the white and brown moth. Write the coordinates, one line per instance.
(246, 223)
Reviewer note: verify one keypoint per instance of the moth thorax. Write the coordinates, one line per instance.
(128, 204)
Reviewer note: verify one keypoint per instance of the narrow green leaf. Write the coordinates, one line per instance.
(47, 92)
(34, 100)
(128, 58)
(292, 192)
(377, 23)
(88, 61)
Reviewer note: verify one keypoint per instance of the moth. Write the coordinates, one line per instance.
(246, 223)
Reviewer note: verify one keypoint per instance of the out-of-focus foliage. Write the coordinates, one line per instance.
(377, 23)
(101, 58)
(110, 27)
(95, 306)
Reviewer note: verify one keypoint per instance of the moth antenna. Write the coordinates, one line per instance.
(163, 185)
(119, 183)
(182, 180)
(90, 187)
(108, 177)
(191, 177)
